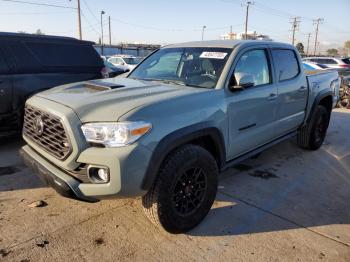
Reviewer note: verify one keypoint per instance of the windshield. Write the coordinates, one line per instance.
(108, 64)
(131, 60)
(199, 67)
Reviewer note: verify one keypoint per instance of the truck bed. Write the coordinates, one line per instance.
(322, 79)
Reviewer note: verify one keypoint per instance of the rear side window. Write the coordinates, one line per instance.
(346, 61)
(52, 54)
(286, 63)
(327, 61)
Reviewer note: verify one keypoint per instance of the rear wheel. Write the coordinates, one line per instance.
(184, 191)
(313, 134)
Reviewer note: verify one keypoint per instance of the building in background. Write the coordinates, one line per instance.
(251, 35)
(138, 50)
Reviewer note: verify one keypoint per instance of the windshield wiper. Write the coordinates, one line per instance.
(174, 82)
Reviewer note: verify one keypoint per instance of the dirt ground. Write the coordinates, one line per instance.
(285, 205)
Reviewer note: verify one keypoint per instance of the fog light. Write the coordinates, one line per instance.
(103, 174)
(98, 174)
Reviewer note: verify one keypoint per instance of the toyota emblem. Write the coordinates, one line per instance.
(38, 125)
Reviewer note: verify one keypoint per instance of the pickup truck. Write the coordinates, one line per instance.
(166, 130)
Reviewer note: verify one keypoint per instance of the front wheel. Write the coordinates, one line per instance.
(313, 134)
(184, 191)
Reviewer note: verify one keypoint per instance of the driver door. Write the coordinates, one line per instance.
(251, 110)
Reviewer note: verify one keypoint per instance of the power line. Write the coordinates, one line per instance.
(40, 4)
(171, 29)
(92, 13)
(35, 13)
(279, 12)
(91, 26)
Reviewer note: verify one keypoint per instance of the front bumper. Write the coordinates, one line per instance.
(64, 184)
(127, 166)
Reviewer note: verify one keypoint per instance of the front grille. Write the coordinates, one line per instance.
(47, 131)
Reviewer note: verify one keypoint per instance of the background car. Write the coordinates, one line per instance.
(112, 70)
(331, 62)
(33, 63)
(125, 61)
(313, 66)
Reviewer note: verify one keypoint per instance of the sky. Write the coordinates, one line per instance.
(165, 21)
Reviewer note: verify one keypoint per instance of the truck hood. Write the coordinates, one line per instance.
(109, 99)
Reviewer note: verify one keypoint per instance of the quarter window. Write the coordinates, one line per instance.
(253, 63)
(286, 63)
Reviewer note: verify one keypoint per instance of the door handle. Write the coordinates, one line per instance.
(302, 89)
(272, 96)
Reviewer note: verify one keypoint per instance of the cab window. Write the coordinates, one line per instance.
(286, 63)
(253, 63)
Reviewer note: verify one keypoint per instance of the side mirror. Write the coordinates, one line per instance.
(243, 81)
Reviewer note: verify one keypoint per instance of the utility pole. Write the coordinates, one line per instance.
(204, 27)
(79, 20)
(102, 13)
(246, 19)
(295, 26)
(109, 26)
(308, 42)
(317, 22)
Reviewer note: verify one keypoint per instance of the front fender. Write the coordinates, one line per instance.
(180, 137)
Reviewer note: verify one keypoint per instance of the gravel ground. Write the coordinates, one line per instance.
(285, 205)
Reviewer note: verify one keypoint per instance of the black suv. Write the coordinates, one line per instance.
(33, 63)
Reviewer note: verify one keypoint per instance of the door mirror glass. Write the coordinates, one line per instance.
(246, 80)
(242, 81)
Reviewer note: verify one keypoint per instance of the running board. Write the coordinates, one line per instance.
(258, 150)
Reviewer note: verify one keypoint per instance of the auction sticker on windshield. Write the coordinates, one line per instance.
(213, 55)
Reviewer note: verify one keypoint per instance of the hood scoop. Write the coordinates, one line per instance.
(98, 87)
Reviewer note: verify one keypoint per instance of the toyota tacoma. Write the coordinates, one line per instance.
(166, 130)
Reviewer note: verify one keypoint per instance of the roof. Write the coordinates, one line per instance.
(226, 43)
(34, 36)
(322, 57)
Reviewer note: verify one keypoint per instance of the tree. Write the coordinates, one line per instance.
(38, 32)
(347, 46)
(332, 52)
(300, 48)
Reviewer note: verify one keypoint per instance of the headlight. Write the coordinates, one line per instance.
(115, 134)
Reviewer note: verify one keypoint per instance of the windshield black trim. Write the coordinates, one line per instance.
(173, 81)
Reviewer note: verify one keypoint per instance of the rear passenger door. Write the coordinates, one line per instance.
(292, 90)
(252, 110)
(6, 85)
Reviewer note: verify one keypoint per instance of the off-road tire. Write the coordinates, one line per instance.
(312, 135)
(159, 204)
